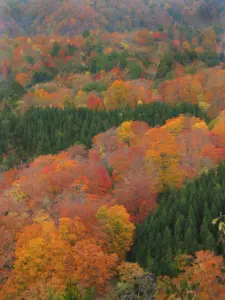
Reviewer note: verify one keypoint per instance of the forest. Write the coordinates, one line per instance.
(112, 150)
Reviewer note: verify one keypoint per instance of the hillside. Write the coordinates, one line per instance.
(71, 17)
(112, 149)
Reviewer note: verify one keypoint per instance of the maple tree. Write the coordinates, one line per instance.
(94, 102)
(120, 79)
(129, 271)
(162, 158)
(125, 132)
(8, 231)
(202, 277)
(58, 254)
(94, 267)
(119, 94)
(136, 194)
(117, 228)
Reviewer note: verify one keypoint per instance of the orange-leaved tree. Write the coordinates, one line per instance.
(49, 256)
(201, 278)
(117, 229)
(162, 158)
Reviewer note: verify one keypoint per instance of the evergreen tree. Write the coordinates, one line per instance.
(191, 222)
(214, 211)
(178, 233)
(190, 243)
(37, 130)
(204, 232)
(166, 241)
(149, 262)
(210, 242)
(55, 49)
(191, 229)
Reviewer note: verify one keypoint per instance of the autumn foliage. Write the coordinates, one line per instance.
(202, 277)
(58, 254)
(128, 271)
(75, 212)
(70, 215)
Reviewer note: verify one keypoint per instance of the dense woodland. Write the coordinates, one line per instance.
(112, 149)
(44, 131)
(181, 223)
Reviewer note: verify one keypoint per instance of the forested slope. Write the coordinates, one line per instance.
(47, 131)
(182, 223)
(112, 149)
(71, 17)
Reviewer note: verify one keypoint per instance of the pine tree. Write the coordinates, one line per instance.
(191, 221)
(207, 213)
(148, 262)
(167, 239)
(210, 242)
(190, 243)
(140, 254)
(43, 146)
(214, 211)
(169, 261)
(204, 232)
(178, 231)
(183, 205)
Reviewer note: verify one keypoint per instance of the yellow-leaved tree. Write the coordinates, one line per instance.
(162, 158)
(48, 256)
(119, 94)
(117, 229)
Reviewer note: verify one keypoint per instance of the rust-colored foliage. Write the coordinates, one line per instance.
(88, 199)
(95, 102)
(93, 267)
(136, 194)
(69, 215)
(202, 278)
(47, 255)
